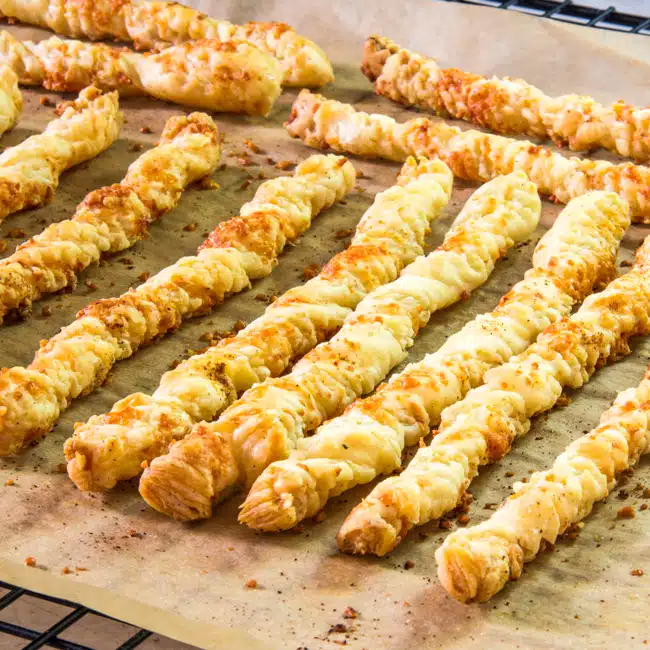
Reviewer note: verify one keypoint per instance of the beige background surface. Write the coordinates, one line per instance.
(187, 581)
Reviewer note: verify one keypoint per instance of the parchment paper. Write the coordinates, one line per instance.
(188, 581)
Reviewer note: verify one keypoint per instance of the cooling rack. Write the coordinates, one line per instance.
(569, 12)
(50, 637)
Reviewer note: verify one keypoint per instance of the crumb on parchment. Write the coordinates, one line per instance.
(310, 271)
(626, 512)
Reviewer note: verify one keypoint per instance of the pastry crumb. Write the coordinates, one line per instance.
(191, 227)
(285, 164)
(344, 233)
(626, 512)
(310, 271)
(637, 572)
(251, 584)
(252, 146)
(145, 129)
(46, 101)
(30, 561)
(350, 612)
(206, 183)
(16, 233)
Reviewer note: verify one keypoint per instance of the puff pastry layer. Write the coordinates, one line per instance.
(11, 99)
(30, 171)
(79, 357)
(578, 253)
(472, 155)
(481, 428)
(266, 423)
(113, 218)
(140, 427)
(477, 562)
(223, 77)
(158, 24)
(509, 106)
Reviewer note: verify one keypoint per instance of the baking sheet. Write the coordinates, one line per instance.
(188, 581)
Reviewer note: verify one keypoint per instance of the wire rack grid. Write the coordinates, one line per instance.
(50, 637)
(568, 12)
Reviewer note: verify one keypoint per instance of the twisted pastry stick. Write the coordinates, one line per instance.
(508, 106)
(265, 424)
(153, 25)
(30, 171)
(138, 428)
(475, 563)
(481, 428)
(78, 358)
(113, 218)
(472, 155)
(209, 74)
(368, 439)
(11, 100)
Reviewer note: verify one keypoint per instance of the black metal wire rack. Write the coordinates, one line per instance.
(50, 637)
(565, 11)
(569, 12)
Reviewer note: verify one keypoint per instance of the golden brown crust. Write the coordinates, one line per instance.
(112, 218)
(295, 323)
(505, 105)
(180, 491)
(471, 155)
(30, 171)
(11, 100)
(270, 418)
(475, 563)
(369, 437)
(78, 359)
(482, 427)
(207, 73)
(375, 53)
(156, 25)
(75, 18)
